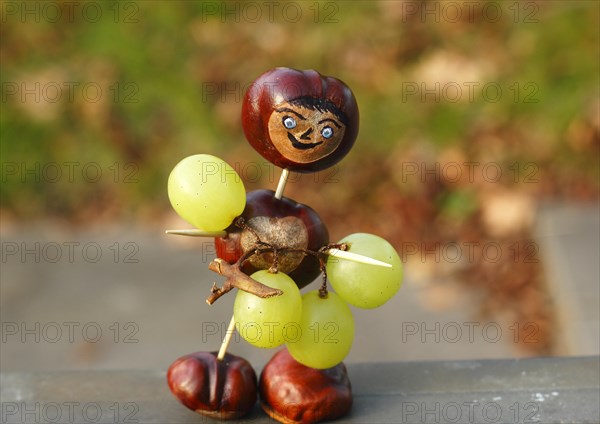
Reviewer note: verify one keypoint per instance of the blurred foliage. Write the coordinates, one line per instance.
(171, 75)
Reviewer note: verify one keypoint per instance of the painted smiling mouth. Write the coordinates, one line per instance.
(302, 146)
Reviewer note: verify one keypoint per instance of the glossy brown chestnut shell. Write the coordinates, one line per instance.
(281, 85)
(264, 203)
(294, 393)
(225, 389)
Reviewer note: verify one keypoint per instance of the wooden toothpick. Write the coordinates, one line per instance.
(351, 256)
(194, 232)
(226, 339)
(282, 182)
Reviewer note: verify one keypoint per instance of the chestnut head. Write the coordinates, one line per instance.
(300, 120)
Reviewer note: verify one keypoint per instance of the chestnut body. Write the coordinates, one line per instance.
(293, 393)
(223, 389)
(263, 203)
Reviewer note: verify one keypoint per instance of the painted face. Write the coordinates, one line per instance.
(301, 121)
(304, 135)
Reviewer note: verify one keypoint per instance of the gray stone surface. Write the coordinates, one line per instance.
(131, 298)
(542, 390)
(102, 306)
(569, 239)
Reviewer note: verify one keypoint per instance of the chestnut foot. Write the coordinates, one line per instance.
(293, 393)
(224, 389)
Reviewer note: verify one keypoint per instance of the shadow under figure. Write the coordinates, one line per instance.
(269, 247)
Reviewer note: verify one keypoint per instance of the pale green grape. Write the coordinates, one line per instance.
(326, 331)
(206, 192)
(265, 322)
(362, 285)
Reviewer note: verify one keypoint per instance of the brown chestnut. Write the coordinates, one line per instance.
(294, 393)
(261, 205)
(223, 389)
(300, 120)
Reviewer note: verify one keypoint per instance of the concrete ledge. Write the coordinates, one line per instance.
(541, 390)
(569, 242)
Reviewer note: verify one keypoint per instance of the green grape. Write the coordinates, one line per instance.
(362, 285)
(206, 192)
(326, 331)
(265, 322)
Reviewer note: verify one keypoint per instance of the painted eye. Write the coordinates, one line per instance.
(289, 122)
(327, 132)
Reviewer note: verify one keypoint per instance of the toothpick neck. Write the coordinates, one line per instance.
(285, 173)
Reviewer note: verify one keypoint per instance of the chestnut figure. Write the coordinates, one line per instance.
(293, 393)
(296, 226)
(223, 389)
(304, 122)
(300, 120)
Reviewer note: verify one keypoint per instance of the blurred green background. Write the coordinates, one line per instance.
(101, 99)
(135, 86)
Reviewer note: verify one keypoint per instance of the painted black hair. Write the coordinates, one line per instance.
(321, 105)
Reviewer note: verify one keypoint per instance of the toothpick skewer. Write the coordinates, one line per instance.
(194, 232)
(278, 195)
(282, 182)
(227, 339)
(343, 254)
